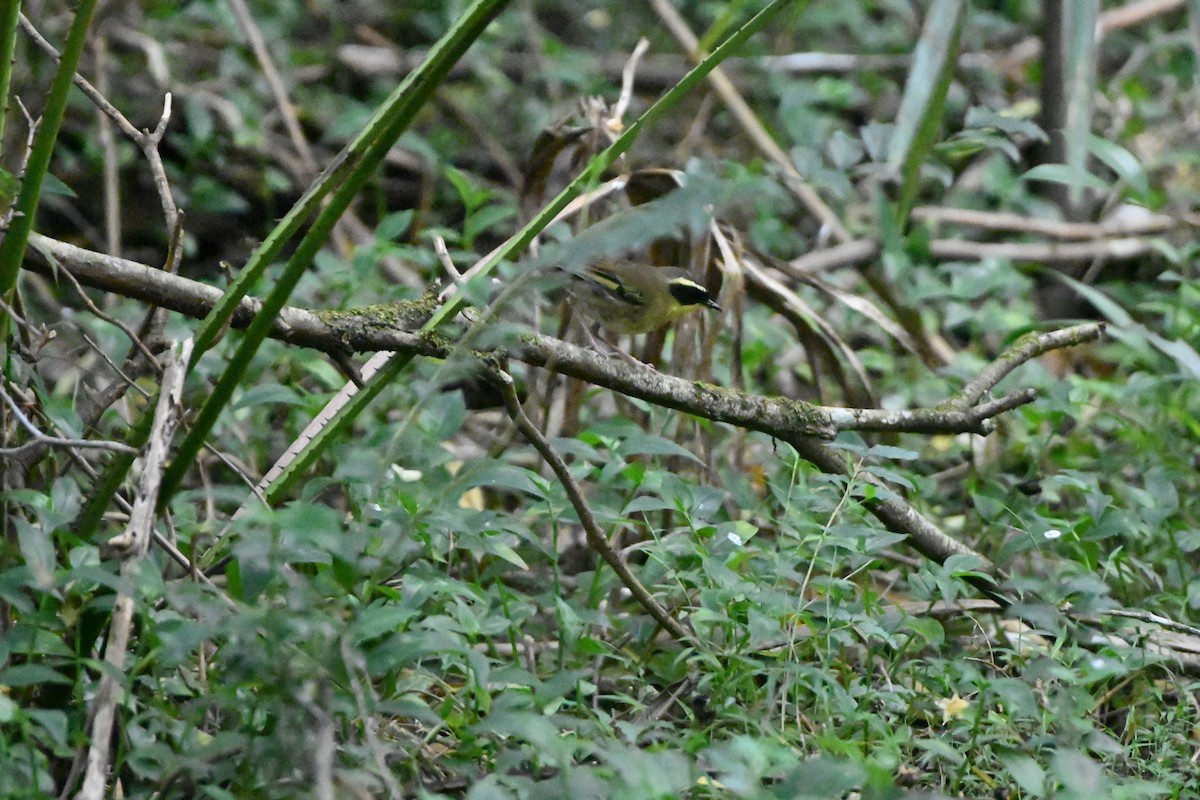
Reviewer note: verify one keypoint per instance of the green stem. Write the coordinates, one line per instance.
(383, 130)
(10, 17)
(16, 238)
(521, 240)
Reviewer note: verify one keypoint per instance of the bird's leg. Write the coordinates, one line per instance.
(603, 348)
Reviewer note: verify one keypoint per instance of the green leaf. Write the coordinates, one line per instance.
(496, 547)
(1182, 352)
(1122, 162)
(940, 750)
(37, 550)
(821, 778)
(394, 225)
(31, 675)
(53, 722)
(646, 502)
(647, 444)
(378, 619)
(1027, 773)
(1071, 176)
(739, 530)
(9, 186)
(920, 114)
(268, 394)
(1110, 308)
(980, 117)
(498, 475)
(52, 185)
(471, 196)
(961, 564)
(930, 631)
(892, 453)
(1078, 773)
(485, 219)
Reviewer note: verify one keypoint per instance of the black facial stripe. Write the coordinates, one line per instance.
(688, 293)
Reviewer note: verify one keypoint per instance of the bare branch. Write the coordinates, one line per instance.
(132, 546)
(147, 141)
(1029, 346)
(595, 537)
(41, 439)
(627, 75)
(392, 328)
(1121, 249)
(1053, 228)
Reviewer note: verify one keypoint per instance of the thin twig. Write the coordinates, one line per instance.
(863, 251)
(1053, 228)
(443, 256)
(132, 545)
(595, 537)
(746, 117)
(93, 94)
(262, 54)
(31, 128)
(40, 438)
(627, 75)
(147, 141)
(1146, 616)
(108, 150)
(127, 381)
(111, 320)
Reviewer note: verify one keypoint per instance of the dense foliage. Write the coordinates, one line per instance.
(420, 612)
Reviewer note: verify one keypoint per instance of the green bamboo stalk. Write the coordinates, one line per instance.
(920, 114)
(16, 238)
(517, 244)
(355, 163)
(10, 17)
(379, 136)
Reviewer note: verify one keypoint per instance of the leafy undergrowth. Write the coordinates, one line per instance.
(442, 616)
(426, 619)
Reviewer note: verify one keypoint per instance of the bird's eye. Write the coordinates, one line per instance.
(688, 293)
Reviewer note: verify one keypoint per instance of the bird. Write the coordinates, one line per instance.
(629, 297)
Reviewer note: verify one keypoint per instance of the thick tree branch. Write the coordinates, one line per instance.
(1029, 346)
(394, 328)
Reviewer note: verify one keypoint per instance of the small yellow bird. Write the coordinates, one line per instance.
(631, 297)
